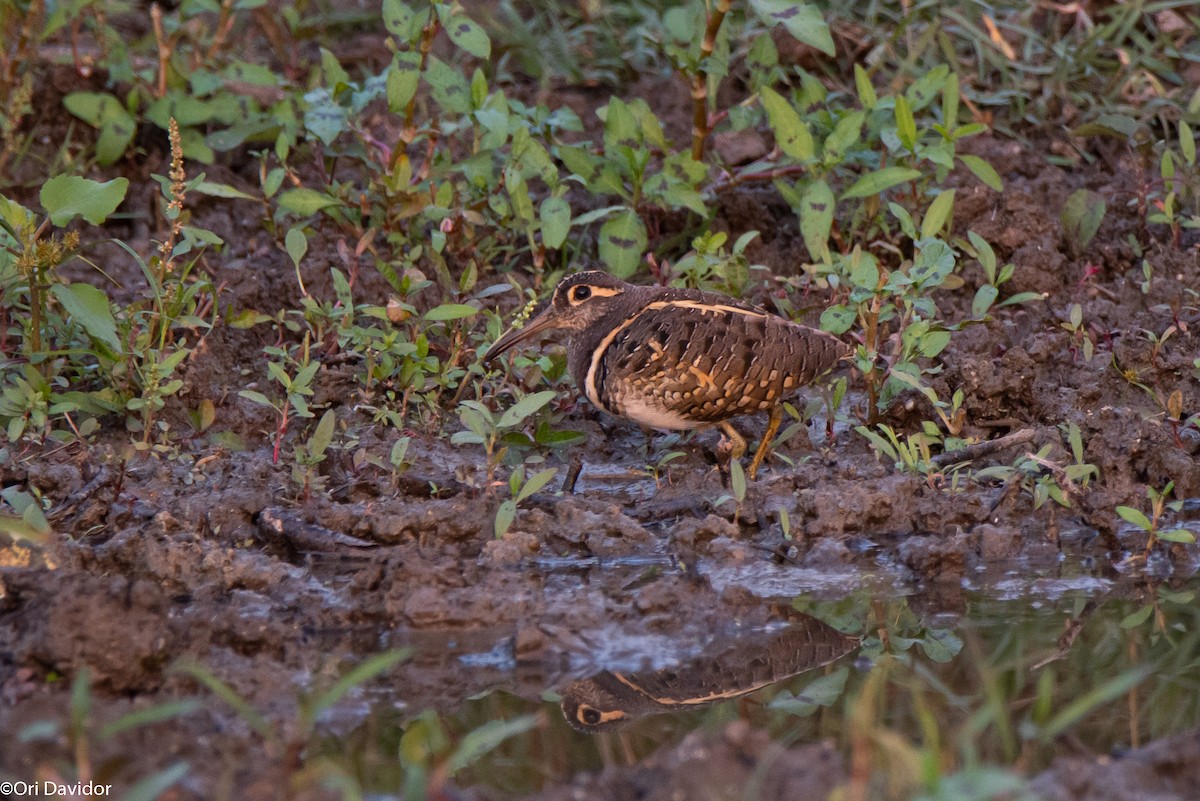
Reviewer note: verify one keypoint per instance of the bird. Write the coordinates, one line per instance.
(679, 359)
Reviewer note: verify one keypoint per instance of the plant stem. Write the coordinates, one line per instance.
(700, 78)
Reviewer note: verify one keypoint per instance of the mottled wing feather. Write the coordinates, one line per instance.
(705, 363)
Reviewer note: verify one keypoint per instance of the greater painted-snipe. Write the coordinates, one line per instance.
(679, 358)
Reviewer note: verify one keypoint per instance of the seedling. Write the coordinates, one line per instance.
(1152, 525)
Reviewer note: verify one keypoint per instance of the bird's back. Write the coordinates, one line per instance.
(682, 359)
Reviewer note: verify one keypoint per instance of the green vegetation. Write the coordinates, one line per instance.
(397, 211)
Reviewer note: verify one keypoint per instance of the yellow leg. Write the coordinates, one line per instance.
(776, 417)
(737, 442)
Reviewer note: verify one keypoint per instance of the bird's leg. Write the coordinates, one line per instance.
(773, 421)
(737, 443)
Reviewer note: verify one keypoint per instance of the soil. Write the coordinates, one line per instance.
(207, 553)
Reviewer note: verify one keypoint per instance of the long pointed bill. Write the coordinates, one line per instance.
(543, 322)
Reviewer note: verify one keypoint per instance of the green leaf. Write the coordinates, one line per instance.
(620, 128)
(107, 114)
(1134, 516)
(983, 171)
(938, 214)
(505, 514)
(906, 126)
(221, 190)
(305, 202)
(555, 215)
(360, 674)
(323, 435)
(823, 691)
(66, 197)
(1082, 215)
(932, 264)
(845, 133)
(89, 307)
(529, 404)
(1187, 143)
(1178, 535)
(449, 311)
(467, 34)
(296, 244)
(536, 482)
(985, 296)
(403, 77)
(154, 785)
(864, 87)
(837, 319)
(791, 134)
(816, 218)
(802, 20)
(448, 86)
(1099, 698)
(622, 242)
(879, 181)
(1135, 619)
(158, 713)
(481, 741)
(402, 21)
(941, 645)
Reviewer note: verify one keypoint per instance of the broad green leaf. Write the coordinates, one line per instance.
(448, 86)
(880, 180)
(932, 264)
(66, 197)
(89, 307)
(837, 319)
(555, 214)
(1187, 143)
(845, 133)
(403, 76)
(791, 134)
(985, 296)
(816, 218)
(983, 171)
(622, 242)
(620, 128)
(1137, 518)
(822, 691)
(938, 214)
(108, 115)
(505, 514)
(536, 482)
(467, 34)
(1181, 535)
(305, 202)
(401, 21)
(1135, 619)
(802, 20)
(449, 311)
(529, 404)
(296, 244)
(1081, 216)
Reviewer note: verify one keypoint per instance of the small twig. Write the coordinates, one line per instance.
(983, 448)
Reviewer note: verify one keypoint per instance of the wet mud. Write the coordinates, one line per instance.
(207, 553)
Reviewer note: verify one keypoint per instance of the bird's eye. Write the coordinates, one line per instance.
(581, 293)
(589, 715)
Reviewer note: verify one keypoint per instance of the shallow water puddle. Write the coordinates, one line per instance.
(1011, 669)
